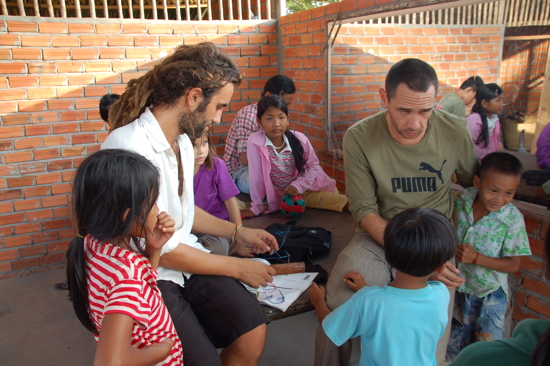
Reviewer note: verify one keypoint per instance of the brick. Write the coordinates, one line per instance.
(45, 236)
(27, 54)
(72, 116)
(95, 40)
(81, 28)
(13, 218)
(37, 191)
(134, 28)
(41, 93)
(12, 94)
(60, 246)
(27, 204)
(111, 53)
(24, 263)
(8, 255)
(6, 55)
(16, 119)
(52, 259)
(48, 179)
(120, 41)
(32, 251)
(70, 67)
(138, 53)
(52, 80)
(54, 201)
(35, 41)
(17, 241)
(98, 66)
(108, 28)
(65, 41)
(21, 26)
(48, 27)
(85, 53)
(10, 194)
(38, 130)
(160, 29)
(64, 128)
(9, 40)
(57, 54)
(538, 306)
(537, 246)
(13, 68)
(8, 107)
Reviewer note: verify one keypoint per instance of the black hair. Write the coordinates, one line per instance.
(105, 104)
(500, 162)
(279, 85)
(474, 82)
(295, 144)
(486, 92)
(418, 75)
(418, 241)
(106, 184)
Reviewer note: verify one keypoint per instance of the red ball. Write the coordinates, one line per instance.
(293, 206)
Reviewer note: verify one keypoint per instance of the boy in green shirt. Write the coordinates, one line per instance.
(456, 103)
(492, 234)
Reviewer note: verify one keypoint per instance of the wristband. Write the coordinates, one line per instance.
(237, 227)
(475, 260)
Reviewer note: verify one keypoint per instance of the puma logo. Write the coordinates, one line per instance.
(428, 167)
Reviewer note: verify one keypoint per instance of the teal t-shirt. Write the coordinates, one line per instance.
(397, 327)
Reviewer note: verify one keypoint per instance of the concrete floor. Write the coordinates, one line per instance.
(38, 326)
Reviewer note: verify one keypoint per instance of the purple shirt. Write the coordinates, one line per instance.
(543, 148)
(212, 187)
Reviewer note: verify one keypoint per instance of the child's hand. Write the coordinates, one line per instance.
(316, 294)
(246, 212)
(290, 190)
(164, 229)
(354, 280)
(465, 253)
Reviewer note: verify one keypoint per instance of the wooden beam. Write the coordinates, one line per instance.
(543, 113)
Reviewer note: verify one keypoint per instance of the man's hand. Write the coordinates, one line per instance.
(354, 280)
(317, 294)
(290, 190)
(253, 241)
(449, 276)
(254, 273)
(465, 253)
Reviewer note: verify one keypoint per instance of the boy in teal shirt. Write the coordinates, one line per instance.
(492, 237)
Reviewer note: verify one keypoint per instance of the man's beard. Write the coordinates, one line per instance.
(192, 124)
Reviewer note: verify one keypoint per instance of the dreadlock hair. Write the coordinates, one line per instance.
(295, 144)
(486, 92)
(201, 66)
(106, 185)
(209, 160)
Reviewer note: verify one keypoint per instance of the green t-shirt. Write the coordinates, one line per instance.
(453, 104)
(383, 176)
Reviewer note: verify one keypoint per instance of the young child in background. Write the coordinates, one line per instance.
(282, 162)
(215, 192)
(455, 103)
(105, 104)
(492, 236)
(399, 323)
(483, 122)
(110, 273)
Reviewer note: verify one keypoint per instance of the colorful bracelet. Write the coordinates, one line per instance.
(237, 227)
(475, 260)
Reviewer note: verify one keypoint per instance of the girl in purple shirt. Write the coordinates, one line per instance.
(214, 192)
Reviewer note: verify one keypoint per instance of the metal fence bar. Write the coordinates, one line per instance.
(178, 10)
(199, 10)
(165, 4)
(230, 9)
(221, 9)
(268, 9)
(92, 8)
(120, 13)
(5, 8)
(240, 9)
(259, 15)
(249, 10)
(187, 12)
(36, 8)
(105, 8)
(78, 9)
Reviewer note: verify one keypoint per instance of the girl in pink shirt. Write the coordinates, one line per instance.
(483, 123)
(111, 264)
(282, 162)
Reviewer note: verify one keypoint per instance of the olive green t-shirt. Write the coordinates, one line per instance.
(453, 104)
(385, 177)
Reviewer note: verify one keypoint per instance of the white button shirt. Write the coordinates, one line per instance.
(145, 137)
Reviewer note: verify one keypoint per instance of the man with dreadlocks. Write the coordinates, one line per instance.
(158, 116)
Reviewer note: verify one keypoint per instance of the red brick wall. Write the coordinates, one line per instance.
(52, 76)
(531, 285)
(363, 54)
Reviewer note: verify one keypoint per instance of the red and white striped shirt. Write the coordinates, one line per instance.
(123, 282)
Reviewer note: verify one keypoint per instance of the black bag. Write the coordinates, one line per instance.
(298, 243)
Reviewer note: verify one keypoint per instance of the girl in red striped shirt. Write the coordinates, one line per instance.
(111, 264)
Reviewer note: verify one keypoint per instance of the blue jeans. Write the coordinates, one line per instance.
(240, 177)
(476, 319)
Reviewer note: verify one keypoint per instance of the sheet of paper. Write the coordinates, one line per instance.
(284, 289)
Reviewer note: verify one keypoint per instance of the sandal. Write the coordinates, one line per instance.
(61, 286)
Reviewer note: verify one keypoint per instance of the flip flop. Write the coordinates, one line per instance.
(61, 286)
